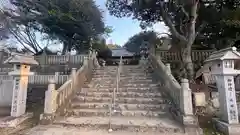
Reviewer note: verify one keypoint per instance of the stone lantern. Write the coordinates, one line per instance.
(222, 65)
(20, 73)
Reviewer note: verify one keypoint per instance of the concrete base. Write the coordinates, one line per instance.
(12, 122)
(191, 125)
(190, 122)
(228, 129)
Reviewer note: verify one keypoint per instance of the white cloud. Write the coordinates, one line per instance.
(160, 28)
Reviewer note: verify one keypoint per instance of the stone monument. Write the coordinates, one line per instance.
(222, 65)
(20, 73)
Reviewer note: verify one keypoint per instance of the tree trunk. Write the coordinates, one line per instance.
(65, 47)
(187, 65)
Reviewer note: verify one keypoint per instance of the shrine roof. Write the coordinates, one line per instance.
(17, 58)
(121, 52)
(224, 54)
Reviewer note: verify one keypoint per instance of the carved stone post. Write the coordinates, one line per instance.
(223, 69)
(186, 98)
(73, 74)
(168, 66)
(21, 72)
(56, 76)
(50, 98)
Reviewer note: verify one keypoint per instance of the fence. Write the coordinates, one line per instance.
(197, 55)
(39, 79)
(6, 90)
(59, 59)
(44, 79)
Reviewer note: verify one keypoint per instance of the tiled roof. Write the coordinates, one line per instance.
(21, 58)
(121, 52)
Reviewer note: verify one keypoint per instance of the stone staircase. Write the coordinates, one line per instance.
(140, 106)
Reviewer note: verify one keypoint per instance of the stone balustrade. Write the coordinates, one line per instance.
(166, 78)
(180, 95)
(57, 101)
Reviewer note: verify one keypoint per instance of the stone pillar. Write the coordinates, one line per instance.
(74, 71)
(19, 94)
(227, 96)
(104, 63)
(168, 66)
(96, 64)
(186, 98)
(50, 98)
(85, 61)
(21, 72)
(73, 74)
(56, 76)
(223, 68)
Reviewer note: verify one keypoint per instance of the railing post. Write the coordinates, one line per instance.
(95, 61)
(74, 71)
(73, 74)
(186, 98)
(168, 66)
(50, 98)
(85, 60)
(188, 119)
(56, 77)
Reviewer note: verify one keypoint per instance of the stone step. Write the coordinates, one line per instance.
(134, 125)
(128, 85)
(120, 106)
(123, 67)
(111, 72)
(84, 99)
(71, 129)
(106, 113)
(5, 111)
(124, 78)
(129, 89)
(122, 75)
(121, 94)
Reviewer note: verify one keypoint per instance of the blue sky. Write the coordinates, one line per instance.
(124, 28)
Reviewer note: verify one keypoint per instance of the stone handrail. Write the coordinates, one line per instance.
(63, 93)
(166, 79)
(57, 101)
(180, 95)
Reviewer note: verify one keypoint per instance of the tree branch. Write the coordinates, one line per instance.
(32, 38)
(200, 28)
(180, 5)
(184, 11)
(170, 24)
(192, 23)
